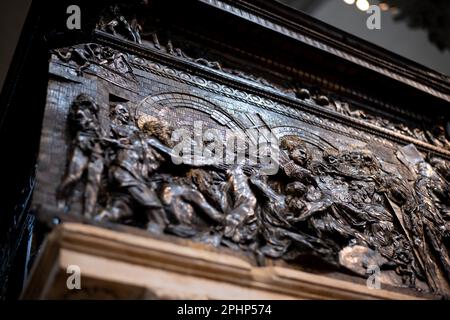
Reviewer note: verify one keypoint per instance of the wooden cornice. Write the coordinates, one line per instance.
(307, 30)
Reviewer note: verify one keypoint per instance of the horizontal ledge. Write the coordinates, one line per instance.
(133, 266)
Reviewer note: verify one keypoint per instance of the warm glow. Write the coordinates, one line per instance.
(349, 1)
(394, 10)
(384, 6)
(363, 5)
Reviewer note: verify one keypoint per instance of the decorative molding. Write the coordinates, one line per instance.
(210, 79)
(128, 266)
(248, 11)
(301, 110)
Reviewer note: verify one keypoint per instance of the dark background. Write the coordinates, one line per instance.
(12, 17)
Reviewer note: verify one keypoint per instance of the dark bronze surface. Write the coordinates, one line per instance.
(363, 174)
(385, 204)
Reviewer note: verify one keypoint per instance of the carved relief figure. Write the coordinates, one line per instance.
(133, 163)
(86, 157)
(116, 23)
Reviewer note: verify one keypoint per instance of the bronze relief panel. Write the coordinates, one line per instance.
(353, 199)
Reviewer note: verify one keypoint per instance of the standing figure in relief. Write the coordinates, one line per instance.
(86, 157)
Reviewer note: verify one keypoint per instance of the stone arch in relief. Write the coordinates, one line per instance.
(181, 109)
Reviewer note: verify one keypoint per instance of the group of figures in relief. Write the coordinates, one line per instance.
(338, 206)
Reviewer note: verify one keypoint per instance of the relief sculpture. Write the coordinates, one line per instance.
(134, 22)
(340, 206)
(83, 56)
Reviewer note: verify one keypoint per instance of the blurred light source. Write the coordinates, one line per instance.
(394, 10)
(349, 1)
(384, 6)
(363, 5)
